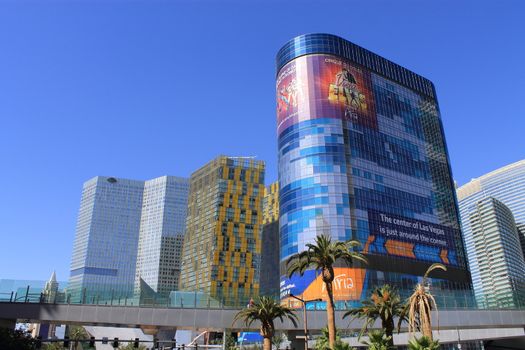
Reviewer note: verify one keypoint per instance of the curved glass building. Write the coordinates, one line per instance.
(505, 186)
(362, 155)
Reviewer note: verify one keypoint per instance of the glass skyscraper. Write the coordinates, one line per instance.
(222, 245)
(362, 155)
(162, 226)
(128, 232)
(507, 186)
(107, 233)
(498, 255)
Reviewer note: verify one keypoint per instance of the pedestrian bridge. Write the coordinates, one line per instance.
(454, 325)
(219, 319)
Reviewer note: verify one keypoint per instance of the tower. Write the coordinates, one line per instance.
(269, 280)
(498, 254)
(222, 245)
(51, 289)
(362, 155)
(162, 225)
(105, 246)
(503, 191)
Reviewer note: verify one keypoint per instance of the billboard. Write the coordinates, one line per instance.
(324, 86)
(347, 285)
(410, 238)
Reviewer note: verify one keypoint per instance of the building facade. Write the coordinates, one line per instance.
(498, 252)
(507, 185)
(128, 231)
(162, 226)
(107, 233)
(362, 155)
(222, 245)
(269, 281)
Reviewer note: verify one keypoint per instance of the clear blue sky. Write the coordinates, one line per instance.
(140, 89)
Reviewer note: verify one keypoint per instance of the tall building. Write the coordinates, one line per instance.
(222, 245)
(128, 231)
(107, 233)
(50, 294)
(362, 155)
(162, 226)
(269, 276)
(51, 289)
(507, 186)
(498, 253)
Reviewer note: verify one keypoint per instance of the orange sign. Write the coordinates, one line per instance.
(347, 285)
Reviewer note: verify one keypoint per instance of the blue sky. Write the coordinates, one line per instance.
(140, 89)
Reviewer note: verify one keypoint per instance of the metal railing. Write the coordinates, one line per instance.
(199, 300)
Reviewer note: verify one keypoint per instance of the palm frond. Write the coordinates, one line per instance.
(433, 267)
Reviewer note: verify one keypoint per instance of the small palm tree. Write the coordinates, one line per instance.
(423, 343)
(341, 345)
(378, 340)
(77, 334)
(322, 256)
(420, 304)
(130, 346)
(321, 343)
(384, 304)
(266, 310)
(277, 340)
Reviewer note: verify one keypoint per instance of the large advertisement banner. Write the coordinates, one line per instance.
(324, 86)
(411, 238)
(347, 285)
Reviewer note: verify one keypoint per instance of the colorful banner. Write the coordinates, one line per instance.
(347, 285)
(324, 86)
(411, 238)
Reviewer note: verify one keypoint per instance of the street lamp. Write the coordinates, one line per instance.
(304, 317)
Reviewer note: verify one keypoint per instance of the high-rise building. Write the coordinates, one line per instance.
(498, 254)
(128, 231)
(506, 185)
(269, 276)
(222, 245)
(105, 247)
(362, 155)
(162, 226)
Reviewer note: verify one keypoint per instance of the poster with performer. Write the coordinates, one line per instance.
(324, 86)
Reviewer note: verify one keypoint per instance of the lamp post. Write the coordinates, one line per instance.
(304, 317)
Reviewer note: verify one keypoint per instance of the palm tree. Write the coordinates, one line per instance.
(77, 334)
(384, 303)
(322, 256)
(378, 340)
(321, 343)
(423, 343)
(421, 303)
(266, 310)
(277, 340)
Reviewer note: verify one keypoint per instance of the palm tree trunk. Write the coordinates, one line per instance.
(426, 327)
(267, 343)
(388, 326)
(330, 314)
